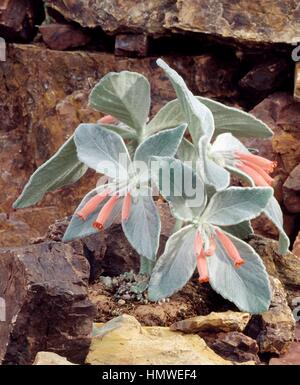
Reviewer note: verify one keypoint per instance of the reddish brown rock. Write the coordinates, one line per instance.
(286, 268)
(131, 45)
(265, 77)
(297, 82)
(18, 19)
(47, 307)
(63, 36)
(292, 357)
(296, 246)
(291, 191)
(274, 329)
(215, 78)
(282, 114)
(234, 346)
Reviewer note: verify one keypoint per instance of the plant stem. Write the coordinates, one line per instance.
(146, 266)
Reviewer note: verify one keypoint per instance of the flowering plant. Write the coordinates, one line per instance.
(193, 177)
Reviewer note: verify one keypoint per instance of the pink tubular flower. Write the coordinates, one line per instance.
(105, 212)
(230, 249)
(91, 205)
(265, 164)
(257, 167)
(108, 119)
(260, 171)
(202, 268)
(257, 178)
(126, 207)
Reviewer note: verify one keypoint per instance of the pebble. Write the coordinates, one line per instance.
(107, 281)
(121, 302)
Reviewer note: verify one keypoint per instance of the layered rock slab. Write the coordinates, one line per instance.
(44, 287)
(264, 21)
(124, 341)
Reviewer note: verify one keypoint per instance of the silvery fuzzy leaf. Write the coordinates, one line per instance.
(142, 228)
(164, 143)
(124, 131)
(78, 228)
(124, 95)
(170, 115)
(102, 150)
(175, 266)
(211, 173)
(238, 122)
(242, 175)
(274, 213)
(227, 142)
(247, 287)
(181, 187)
(187, 152)
(227, 119)
(236, 204)
(199, 118)
(241, 230)
(62, 169)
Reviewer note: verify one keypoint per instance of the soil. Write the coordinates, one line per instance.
(194, 299)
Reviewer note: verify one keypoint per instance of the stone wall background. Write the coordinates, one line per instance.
(236, 52)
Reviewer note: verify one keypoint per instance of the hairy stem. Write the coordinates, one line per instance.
(146, 266)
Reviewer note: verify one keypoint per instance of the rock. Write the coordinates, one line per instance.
(292, 357)
(116, 16)
(291, 191)
(296, 246)
(131, 45)
(265, 77)
(234, 346)
(215, 78)
(286, 268)
(49, 358)
(274, 329)
(3, 49)
(282, 114)
(239, 20)
(297, 82)
(110, 253)
(18, 19)
(47, 306)
(123, 341)
(63, 36)
(227, 322)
